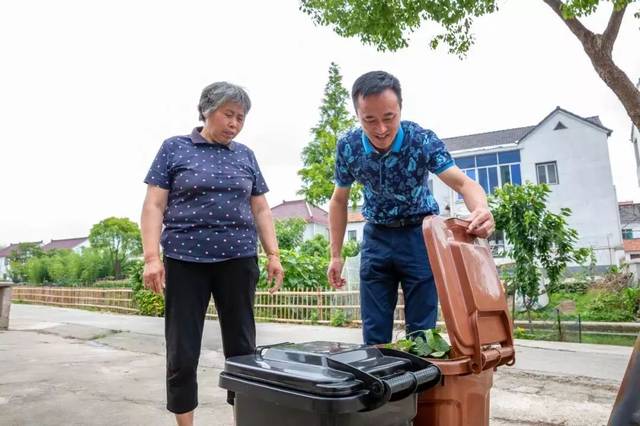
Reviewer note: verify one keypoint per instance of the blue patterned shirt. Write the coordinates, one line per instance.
(208, 216)
(395, 183)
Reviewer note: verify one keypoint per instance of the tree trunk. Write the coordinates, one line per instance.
(599, 48)
(117, 269)
(616, 79)
(529, 317)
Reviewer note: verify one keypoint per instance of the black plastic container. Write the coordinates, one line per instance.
(326, 384)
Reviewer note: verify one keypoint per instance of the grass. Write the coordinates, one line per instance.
(549, 312)
(594, 338)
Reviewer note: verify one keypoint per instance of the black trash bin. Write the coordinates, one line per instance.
(326, 384)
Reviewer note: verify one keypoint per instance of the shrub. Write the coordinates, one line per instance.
(618, 306)
(338, 318)
(147, 302)
(301, 271)
(317, 246)
(350, 249)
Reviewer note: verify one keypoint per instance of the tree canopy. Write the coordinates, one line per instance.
(387, 25)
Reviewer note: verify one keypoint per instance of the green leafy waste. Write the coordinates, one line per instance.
(423, 343)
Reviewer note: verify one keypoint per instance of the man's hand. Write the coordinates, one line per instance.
(275, 273)
(153, 275)
(334, 273)
(482, 223)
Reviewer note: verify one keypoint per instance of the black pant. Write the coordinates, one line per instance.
(189, 286)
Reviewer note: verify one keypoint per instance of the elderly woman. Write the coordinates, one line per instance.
(208, 192)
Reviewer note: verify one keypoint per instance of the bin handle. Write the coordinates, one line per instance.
(400, 387)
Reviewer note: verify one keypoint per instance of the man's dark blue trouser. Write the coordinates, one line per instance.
(390, 256)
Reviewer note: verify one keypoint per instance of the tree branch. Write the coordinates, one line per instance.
(584, 35)
(613, 27)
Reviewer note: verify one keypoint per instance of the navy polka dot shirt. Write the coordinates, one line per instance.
(208, 216)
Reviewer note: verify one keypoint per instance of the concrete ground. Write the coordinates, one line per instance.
(72, 367)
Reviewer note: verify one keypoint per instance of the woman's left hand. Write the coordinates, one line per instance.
(275, 273)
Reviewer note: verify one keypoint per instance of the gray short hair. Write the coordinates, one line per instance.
(216, 94)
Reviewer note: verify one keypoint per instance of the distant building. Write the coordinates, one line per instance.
(74, 244)
(569, 153)
(635, 140)
(355, 225)
(5, 253)
(316, 218)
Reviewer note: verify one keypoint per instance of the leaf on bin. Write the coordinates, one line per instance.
(437, 354)
(437, 342)
(405, 345)
(421, 348)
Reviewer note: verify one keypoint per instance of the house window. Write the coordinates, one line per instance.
(353, 235)
(627, 234)
(492, 171)
(634, 256)
(547, 173)
(497, 243)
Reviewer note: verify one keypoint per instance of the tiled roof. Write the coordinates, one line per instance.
(631, 245)
(300, 209)
(508, 136)
(6, 252)
(355, 217)
(479, 140)
(68, 243)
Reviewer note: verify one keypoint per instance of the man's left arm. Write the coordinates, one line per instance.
(482, 223)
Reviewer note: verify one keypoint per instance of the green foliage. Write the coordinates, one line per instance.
(387, 25)
(318, 156)
(424, 343)
(18, 258)
(350, 249)
(620, 306)
(289, 233)
(120, 238)
(313, 317)
(67, 268)
(317, 246)
(301, 271)
(540, 239)
(338, 318)
(594, 305)
(147, 302)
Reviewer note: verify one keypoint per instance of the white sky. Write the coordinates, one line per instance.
(89, 90)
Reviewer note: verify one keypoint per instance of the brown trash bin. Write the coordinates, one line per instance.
(478, 324)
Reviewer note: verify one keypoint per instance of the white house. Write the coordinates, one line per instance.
(74, 244)
(317, 219)
(355, 225)
(5, 253)
(564, 150)
(635, 140)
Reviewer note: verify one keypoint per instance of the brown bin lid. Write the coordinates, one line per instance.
(471, 295)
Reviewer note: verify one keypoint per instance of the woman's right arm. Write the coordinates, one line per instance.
(153, 209)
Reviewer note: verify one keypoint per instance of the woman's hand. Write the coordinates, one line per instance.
(275, 273)
(153, 275)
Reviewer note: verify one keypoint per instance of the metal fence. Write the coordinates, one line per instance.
(298, 306)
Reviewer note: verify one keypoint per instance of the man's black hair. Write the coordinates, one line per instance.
(373, 83)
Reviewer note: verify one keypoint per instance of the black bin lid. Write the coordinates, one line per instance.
(328, 369)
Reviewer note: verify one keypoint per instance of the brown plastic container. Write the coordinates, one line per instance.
(478, 324)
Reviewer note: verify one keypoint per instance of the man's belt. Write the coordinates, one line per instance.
(404, 222)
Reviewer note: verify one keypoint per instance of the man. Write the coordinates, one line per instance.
(392, 159)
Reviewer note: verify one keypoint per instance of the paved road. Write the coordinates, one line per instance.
(106, 369)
